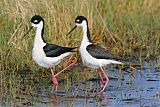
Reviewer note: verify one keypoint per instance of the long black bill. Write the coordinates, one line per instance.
(71, 30)
(28, 32)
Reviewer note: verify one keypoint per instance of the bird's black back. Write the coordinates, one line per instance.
(100, 53)
(52, 50)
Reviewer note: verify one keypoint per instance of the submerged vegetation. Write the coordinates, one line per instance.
(125, 27)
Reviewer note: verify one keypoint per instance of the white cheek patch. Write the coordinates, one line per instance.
(78, 20)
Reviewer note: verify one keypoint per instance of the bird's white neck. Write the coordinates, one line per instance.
(38, 40)
(86, 34)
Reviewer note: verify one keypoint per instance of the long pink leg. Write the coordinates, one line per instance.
(72, 64)
(107, 79)
(54, 79)
(100, 76)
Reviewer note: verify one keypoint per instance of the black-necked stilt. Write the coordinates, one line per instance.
(48, 55)
(93, 55)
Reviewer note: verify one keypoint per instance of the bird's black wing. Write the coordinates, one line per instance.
(100, 53)
(52, 50)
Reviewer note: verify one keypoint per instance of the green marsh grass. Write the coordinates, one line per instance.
(126, 28)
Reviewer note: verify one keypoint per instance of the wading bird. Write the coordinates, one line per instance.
(93, 55)
(48, 55)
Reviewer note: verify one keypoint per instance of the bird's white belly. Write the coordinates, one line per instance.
(40, 58)
(92, 62)
(88, 60)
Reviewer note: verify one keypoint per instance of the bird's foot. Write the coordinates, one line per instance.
(55, 82)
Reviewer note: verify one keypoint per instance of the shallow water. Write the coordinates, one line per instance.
(137, 88)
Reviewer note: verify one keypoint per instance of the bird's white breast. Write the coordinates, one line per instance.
(38, 54)
(40, 58)
(92, 62)
(87, 59)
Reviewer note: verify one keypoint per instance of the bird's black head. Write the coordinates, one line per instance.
(80, 19)
(36, 19)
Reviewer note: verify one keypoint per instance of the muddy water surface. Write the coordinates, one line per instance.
(137, 88)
